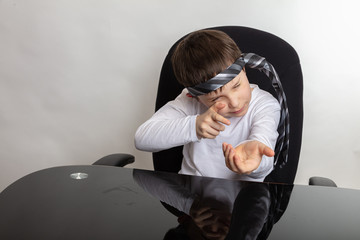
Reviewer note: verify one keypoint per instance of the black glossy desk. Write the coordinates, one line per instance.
(121, 203)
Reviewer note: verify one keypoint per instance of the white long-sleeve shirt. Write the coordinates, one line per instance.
(175, 124)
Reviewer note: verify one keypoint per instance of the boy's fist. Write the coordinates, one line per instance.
(208, 124)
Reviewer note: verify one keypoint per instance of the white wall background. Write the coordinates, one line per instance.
(77, 77)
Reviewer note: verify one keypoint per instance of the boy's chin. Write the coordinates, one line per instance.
(230, 115)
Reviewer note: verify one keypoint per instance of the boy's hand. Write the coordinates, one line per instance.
(208, 124)
(246, 157)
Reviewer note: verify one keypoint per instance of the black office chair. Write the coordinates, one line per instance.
(286, 62)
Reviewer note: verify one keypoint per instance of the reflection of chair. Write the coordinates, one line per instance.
(286, 62)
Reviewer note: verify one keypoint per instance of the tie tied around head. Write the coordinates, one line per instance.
(255, 61)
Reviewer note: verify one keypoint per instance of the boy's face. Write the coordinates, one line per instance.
(235, 95)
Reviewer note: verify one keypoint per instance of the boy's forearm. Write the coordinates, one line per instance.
(264, 127)
(158, 135)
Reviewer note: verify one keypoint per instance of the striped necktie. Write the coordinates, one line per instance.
(282, 144)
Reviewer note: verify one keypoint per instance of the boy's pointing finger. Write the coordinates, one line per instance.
(217, 117)
(217, 107)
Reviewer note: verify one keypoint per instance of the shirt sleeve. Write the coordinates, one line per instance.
(172, 125)
(265, 121)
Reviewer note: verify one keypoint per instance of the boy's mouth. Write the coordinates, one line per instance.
(239, 111)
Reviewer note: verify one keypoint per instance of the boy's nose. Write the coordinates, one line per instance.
(234, 102)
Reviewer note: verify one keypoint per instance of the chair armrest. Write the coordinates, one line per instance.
(321, 181)
(116, 160)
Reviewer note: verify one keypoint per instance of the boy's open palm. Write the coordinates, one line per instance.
(208, 124)
(246, 157)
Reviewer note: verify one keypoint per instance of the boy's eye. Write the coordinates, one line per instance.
(214, 99)
(237, 85)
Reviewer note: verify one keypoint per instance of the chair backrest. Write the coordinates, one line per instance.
(286, 62)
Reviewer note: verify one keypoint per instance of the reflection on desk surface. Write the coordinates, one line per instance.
(209, 208)
(120, 203)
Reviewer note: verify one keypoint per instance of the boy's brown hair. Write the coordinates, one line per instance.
(203, 54)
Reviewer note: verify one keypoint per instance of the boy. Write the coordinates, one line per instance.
(211, 115)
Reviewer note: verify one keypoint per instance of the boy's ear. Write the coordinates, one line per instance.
(191, 96)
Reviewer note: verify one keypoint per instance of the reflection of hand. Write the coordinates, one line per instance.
(213, 223)
(246, 157)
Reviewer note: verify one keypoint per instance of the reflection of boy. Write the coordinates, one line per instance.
(204, 204)
(235, 113)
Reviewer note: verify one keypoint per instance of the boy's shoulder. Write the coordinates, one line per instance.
(184, 97)
(189, 104)
(261, 97)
